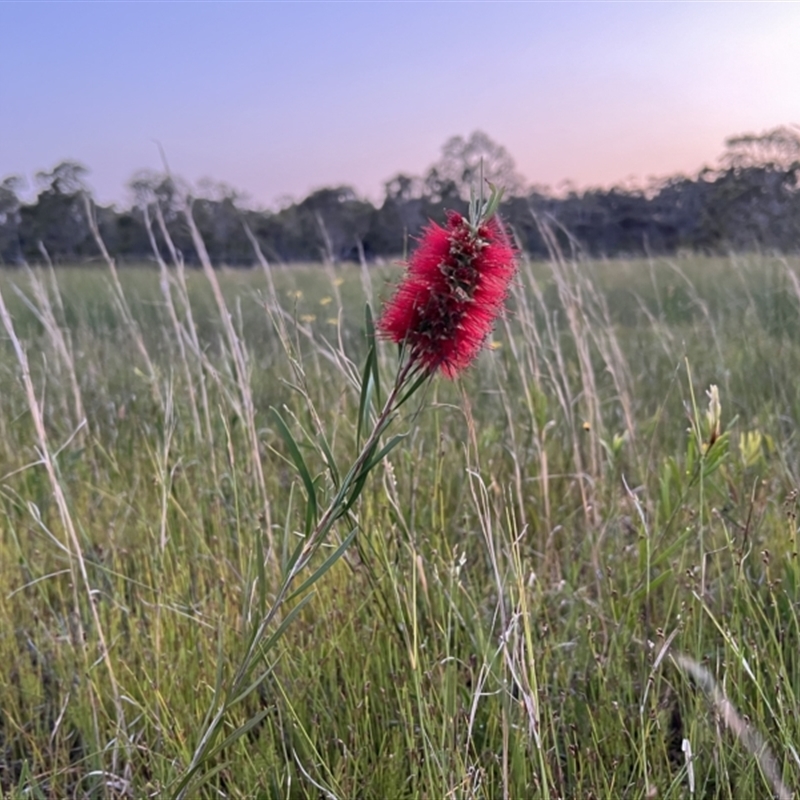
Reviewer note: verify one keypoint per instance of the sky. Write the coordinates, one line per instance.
(280, 98)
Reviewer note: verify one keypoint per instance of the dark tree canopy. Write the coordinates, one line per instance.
(750, 201)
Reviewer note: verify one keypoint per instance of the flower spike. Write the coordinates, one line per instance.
(455, 286)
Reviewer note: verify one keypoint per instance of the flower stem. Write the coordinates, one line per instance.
(336, 509)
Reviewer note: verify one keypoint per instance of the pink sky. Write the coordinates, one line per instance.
(280, 98)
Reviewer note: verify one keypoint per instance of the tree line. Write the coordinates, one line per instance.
(749, 201)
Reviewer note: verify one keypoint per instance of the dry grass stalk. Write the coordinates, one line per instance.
(749, 737)
(190, 331)
(42, 309)
(177, 329)
(279, 317)
(120, 301)
(588, 390)
(73, 546)
(239, 355)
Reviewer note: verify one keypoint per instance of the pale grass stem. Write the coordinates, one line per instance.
(744, 732)
(42, 309)
(72, 546)
(239, 355)
(120, 300)
(190, 329)
(517, 653)
(192, 340)
(165, 284)
(279, 318)
(570, 292)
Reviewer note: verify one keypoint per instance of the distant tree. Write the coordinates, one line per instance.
(66, 178)
(339, 221)
(757, 206)
(459, 167)
(149, 188)
(403, 188)
(57, 218)
(129, 234)
(678, 207)
(751, 200)
(218, 216)
(754, 199)
(443, 190)
(9, 219)
(402, 214)
(778, 148)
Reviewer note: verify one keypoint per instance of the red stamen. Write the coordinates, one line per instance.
(454, 289)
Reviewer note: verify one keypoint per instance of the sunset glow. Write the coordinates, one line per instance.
(279, 98)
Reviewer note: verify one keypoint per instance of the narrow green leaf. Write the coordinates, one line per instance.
(299, 463)
(662, 556)
(414, 386)
(285, 623)
(255, 683)
(261, 576)
(311, 518)
(643, 591)
(385, 450)
(326, 565)
(372, 339)
(356, 480)
(287, 530)
(215, 770)
(356, 471)
(371, 463)
(241, 731)
(366, 395)
(217, 683)
(369, 325)
(492, 204)
(357, 489)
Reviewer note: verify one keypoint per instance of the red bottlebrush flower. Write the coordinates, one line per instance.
(455, 287)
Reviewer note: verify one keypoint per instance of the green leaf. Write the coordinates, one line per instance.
(207, 775)
(716, 454)
(372, 339)
(644, 591)
(285, 623)
(369, 325)
(358, 482)
(241, 731)
(287, 530)
(217, 682)
(357, 489)
(261, 576)
(385, 450)
(300, 464)
(370, 464)
(495, 196)
(414, 386)
(325, 566)
(667, 553)
(311, 518)
(366, 395)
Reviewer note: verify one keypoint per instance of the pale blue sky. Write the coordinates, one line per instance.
(280, 98)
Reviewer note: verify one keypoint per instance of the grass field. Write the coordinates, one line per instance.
(564, 582)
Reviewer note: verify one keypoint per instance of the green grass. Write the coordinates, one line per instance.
(531, 564)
